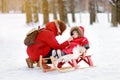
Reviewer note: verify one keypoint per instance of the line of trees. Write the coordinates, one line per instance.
(33, 7)
(60, 8)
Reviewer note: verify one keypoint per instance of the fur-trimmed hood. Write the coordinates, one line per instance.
(78, 29)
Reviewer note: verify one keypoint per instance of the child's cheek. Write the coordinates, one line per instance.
(75, 36)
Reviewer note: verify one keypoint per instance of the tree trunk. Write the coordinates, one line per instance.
(23, 6)
(73, 16)
(114, 15)
(92, 12)
(28, 11)
(72, 9)
(4, 6)
(118, 11)
(62, 11)
(54, 9)
(45, 11)
(35, 11)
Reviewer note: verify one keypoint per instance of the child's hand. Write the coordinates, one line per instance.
(70, 39)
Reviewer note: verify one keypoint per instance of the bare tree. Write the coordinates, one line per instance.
(62, 10)
(28, 11)
(4, 6)
(45, 11)
(35, 10)
(72, 9)
(23, 6)
(0, 5)
(54, 10)
(115, 4)
(118, 11)
(92, 9)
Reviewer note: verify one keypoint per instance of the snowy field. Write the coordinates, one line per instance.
(104, 42)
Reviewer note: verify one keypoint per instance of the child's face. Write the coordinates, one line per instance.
(75, 34)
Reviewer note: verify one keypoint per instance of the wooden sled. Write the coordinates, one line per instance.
(74, 64)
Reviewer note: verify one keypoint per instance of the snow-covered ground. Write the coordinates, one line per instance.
(104, 42)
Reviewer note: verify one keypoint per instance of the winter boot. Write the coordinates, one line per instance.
(54, 54)
(29, 63)
(57, 53)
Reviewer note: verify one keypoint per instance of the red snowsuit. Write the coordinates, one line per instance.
(47, 39)
(76, 41)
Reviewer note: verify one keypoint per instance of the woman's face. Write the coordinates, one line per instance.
(75, 34)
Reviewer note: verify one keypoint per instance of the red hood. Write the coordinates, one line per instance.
(82, 28)
(52, 27)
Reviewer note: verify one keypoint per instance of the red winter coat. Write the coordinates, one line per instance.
(76, 41)
(47, 39)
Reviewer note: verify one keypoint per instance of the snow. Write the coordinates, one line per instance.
(104, 41)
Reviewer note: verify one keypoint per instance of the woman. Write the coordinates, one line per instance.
(47, 42)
